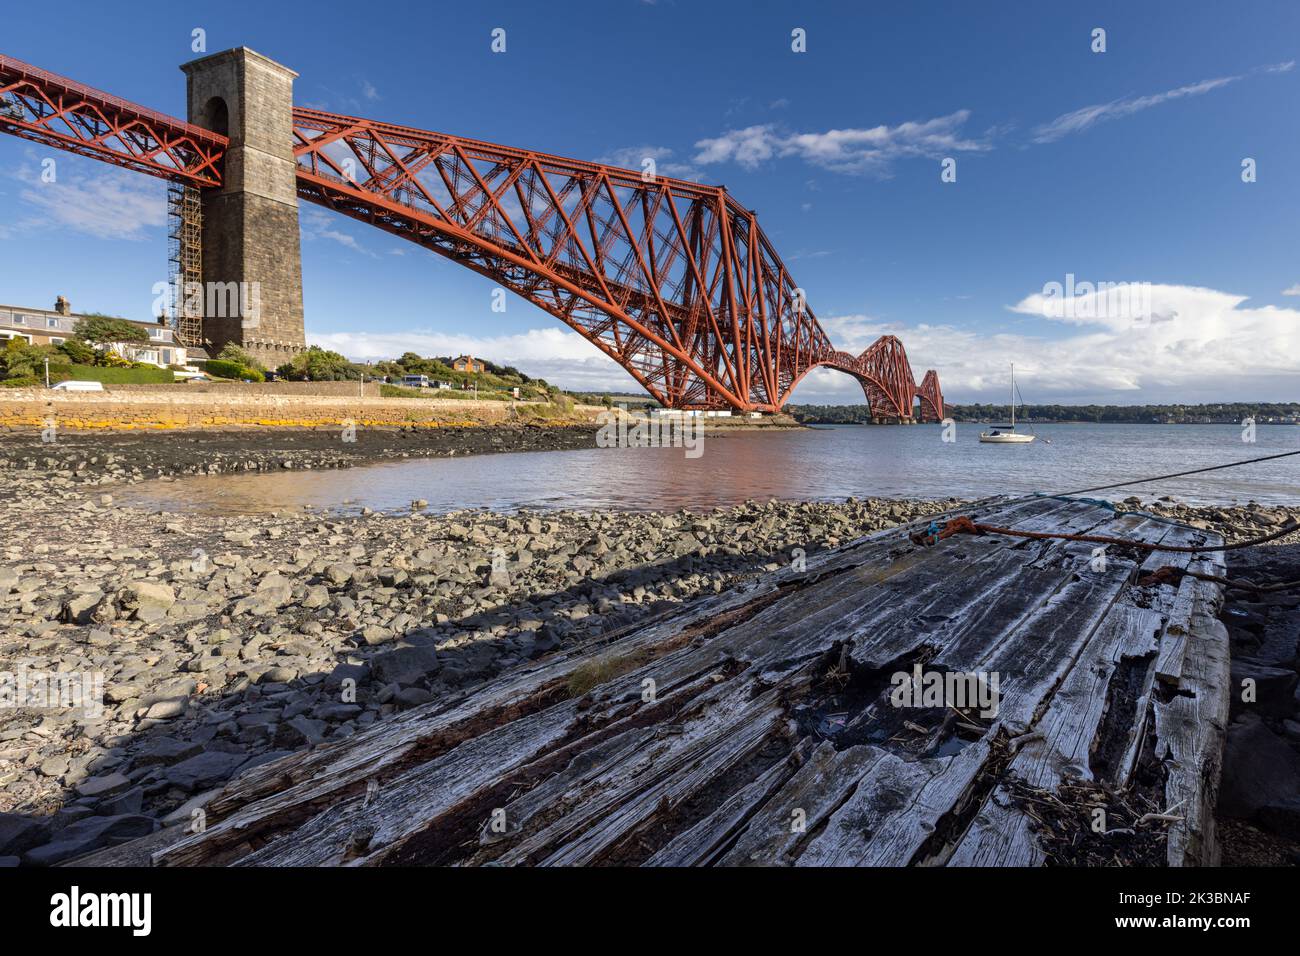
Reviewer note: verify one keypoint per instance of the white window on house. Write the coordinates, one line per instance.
(20, 319)
(167, 356)
(51, 322)
(55, 340)
(14, 335)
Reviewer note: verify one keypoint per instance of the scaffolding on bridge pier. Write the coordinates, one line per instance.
(185, 254)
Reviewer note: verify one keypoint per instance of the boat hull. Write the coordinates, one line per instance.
(1005, 438)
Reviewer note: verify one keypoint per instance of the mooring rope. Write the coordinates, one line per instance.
(962, 524)
(1179, 474)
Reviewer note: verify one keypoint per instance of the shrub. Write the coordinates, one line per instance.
(146, 375)
(22, 381)
(19, 359)
(77, 350)
(319, 365)
(231, 352)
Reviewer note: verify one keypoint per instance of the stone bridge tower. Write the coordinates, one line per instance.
(252, 261)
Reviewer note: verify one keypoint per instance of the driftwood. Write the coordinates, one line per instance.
(757, 727)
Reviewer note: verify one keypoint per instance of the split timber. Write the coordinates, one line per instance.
(755, 727)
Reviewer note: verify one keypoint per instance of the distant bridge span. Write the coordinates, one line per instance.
(674, 280)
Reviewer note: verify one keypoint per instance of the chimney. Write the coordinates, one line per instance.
(62, 306)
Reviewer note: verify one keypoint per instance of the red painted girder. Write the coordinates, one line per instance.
(674, 280)
(55, 111)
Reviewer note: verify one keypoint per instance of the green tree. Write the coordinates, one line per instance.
(104, 329)
(231, 352)
(316, 364)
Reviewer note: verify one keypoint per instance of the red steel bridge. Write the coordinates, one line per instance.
(674, 280)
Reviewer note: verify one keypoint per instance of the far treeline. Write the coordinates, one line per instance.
(1235, 412)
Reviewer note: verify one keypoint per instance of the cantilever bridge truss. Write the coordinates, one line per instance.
(674, 280)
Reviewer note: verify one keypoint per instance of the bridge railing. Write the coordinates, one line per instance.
(9, 65)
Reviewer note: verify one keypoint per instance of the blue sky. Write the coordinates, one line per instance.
(1122, 166)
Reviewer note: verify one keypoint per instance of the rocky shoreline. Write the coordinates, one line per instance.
(102, 457)
(222, 643)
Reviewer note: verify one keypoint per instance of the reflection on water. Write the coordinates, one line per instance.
(823, 463)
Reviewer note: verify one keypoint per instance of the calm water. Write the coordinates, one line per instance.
(823, 463)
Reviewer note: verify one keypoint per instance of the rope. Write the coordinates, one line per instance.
(1174, 576)
(1180, 474)
(1167, 574)
(964, 525)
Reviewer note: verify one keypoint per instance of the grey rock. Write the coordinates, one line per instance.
(1259, 768)
(301, 730)
(359, 673)
(185, 812)
(103, 786)
(340, 573)
(19, 833)
(317, 596)
(149, 600)
(203, 770)
(165, 750)
(92, 833)
(1275, 688)
(412, 697)
(263, 758)
(165, 710)
(404, 666)
(130, 801)
(1281, 817)
(80, 608)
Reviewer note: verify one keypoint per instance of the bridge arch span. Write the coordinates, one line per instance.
(674, 280)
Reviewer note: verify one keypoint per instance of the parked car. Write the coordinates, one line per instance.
(71, 386)
(415, 381)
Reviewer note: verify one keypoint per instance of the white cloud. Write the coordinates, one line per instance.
(1196, 345)
(843, 150)
(317, 223)
(1293, 290)
(1076, 121)
(634, 157)
(92, 199)
(1203, 345)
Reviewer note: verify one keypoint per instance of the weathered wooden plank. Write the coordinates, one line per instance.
(777, 833)
(703, 842)
(1191, 724)
(1001, 835)
(709, 765)
(305, 779)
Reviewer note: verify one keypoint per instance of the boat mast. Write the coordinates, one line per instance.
(1013, 396)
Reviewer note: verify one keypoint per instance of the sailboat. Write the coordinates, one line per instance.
(1003, 434)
